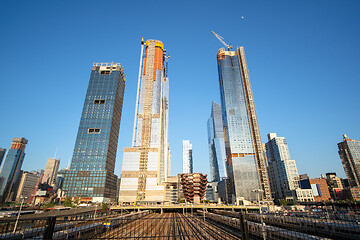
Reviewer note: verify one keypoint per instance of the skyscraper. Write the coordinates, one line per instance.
(2, 154)
(283, 173)
(246, 161)
(27, 184)
(91, 173)
(216, 143)
(51, 170)
(187, 157)
(349, 152)
(146, 164)
(10, 170)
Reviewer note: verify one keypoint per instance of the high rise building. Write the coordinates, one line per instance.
(246, 161)
(27, 184)
(91, 173)
(2, 154)
(217, 154)
(146, 164)
(51, 170)
(283, 173)
(10, 169)
(187, 157)
(349, 152)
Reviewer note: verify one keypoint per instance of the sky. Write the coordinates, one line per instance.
(302, 58)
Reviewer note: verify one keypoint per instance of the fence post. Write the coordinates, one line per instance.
(49, 228)
(243, 227)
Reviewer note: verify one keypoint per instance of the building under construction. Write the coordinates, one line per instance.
(146, 164)
(246, 161)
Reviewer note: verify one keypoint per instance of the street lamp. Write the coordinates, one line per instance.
(17, 219)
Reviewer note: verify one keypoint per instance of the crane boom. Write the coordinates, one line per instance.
(222, 41)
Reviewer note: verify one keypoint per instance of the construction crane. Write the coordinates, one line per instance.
(229, 47)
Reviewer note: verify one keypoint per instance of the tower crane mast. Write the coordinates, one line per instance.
(229, 47)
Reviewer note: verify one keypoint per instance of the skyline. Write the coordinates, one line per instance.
(51, 99)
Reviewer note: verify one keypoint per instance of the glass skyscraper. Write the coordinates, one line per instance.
(2, 154)
(246, 162)
(91, 175)
(349, 152)
(187, 157)
(216, 143)
(146, 164)
(10, 169)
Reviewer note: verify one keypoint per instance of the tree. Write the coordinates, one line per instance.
(68, 203)
(283, 202)
(104, 207)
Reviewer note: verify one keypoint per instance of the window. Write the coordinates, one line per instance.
(99, 101)
(94, 130)
(105, 72)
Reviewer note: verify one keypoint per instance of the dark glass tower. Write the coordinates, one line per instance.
(91, 174)
(349, 152)
(2, 154)
(216, 143)
(10, 169)
(246, 162)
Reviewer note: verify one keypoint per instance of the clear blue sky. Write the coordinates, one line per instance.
(303, 58)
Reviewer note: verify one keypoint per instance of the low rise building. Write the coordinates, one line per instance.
(318, 186)
(304, 195)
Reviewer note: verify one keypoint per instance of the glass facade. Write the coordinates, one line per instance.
(10, 169)
(217, 155)
(246, 163)
(349, 152)
(2, 154)
(91, 172)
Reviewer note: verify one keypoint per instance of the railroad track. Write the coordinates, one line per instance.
(172, 226)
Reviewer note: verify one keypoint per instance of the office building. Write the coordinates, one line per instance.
(27, 185)
(187, 157)
(146, 164)
(283, 173)
(2, 154)
(91, 175)
(246, 162)
(10, 169)
(51, 170)
(217, 154)
(349, 152)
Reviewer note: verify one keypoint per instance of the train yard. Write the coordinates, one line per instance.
(199, 223)
(171, 225)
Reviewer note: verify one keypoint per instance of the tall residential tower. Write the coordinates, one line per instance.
(91, 173)
(146, 164)
(246, 162)
(283, 173)
(187, 157)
